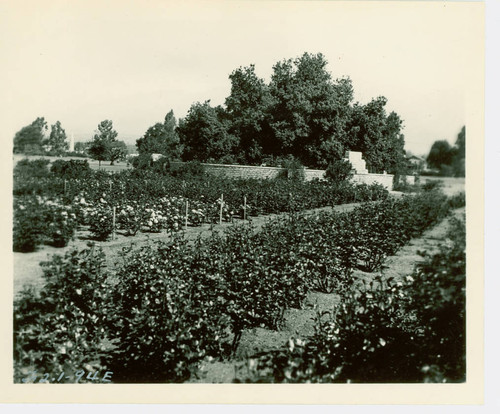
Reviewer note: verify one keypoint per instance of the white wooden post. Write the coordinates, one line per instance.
(187, 212)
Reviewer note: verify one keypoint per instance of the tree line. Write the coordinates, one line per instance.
(301, 114)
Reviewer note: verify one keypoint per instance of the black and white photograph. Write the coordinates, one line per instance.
(203, 194)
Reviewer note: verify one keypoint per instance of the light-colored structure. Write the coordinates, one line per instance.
(357, 162)
(72, 143)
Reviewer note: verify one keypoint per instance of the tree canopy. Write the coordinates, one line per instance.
(101, 147)
(161, 138)
(58, 140)
(447, 159)
(29, 139)
(301, 113)
(204, 135)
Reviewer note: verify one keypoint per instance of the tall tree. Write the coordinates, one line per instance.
(30, 138)
(161, 138)
(105, 136)
(459, 160)
(204, 135)
(57, 140)
(246, 110)
(441, 153)
(309, 111)
(377, 136)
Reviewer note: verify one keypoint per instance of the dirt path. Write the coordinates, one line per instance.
(300, 322)
(27, 268)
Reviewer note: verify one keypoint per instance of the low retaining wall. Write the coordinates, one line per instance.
(250, 171)
(382, 179)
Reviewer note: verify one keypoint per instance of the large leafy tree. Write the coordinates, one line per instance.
(441, 154)
(449, 160)
(377, 135)
(204, 135)
(29, 139)
(309, 111)
(104, 138)
(161, 138)
(247, 112)
(58, 140)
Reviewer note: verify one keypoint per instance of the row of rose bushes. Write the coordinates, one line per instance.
(263, 196)
(155, 203)
(411, 330)
(170, 306)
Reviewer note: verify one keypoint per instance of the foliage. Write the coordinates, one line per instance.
(30, 138)
(339, 171)
(101, 147)
(165, 298)
(204, 135)
(39, 220)
(457, 200)
(65, 327)
(378, 136)
(450, 161)
(26, 169)
(71, 169)
(430, 185)
(117, 151)
(308, 113)
(57, 140)
(29, 224)
(247, 109)
(188, 170)
(441, 153)
(412, 330)
(293, 169)
(82, 148)
(100, 220)
(177, 303)
(161, 138)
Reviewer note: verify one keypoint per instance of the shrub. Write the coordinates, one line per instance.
(27, 169)
(71, 169)
(339, 171)
(66, 327)
(189, 169)
(293, 169)
(168, 318)
(30, 223)
(457, 200)
(100, 220)
(432, 185)
(62, 224)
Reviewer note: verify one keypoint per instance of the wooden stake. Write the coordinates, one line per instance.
(187, 212)
(114, 223)
(221, 206)
(244, 207)
(65, 187)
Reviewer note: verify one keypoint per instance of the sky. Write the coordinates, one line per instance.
(81, 62)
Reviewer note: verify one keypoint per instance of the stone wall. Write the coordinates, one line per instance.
(248, 171)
